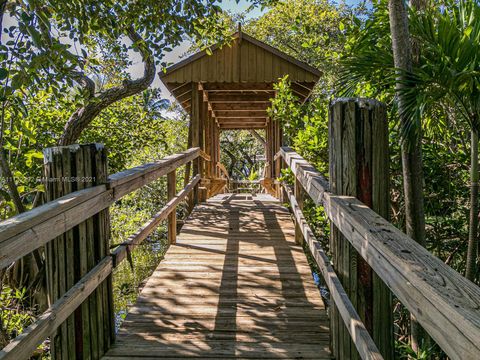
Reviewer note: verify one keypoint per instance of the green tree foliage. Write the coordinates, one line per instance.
(442, 91)
(241, 154)
(309, 30)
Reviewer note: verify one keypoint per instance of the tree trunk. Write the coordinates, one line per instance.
(83, 116)
(473, 225)
(411, 148)
(6, 174)
(3, 5)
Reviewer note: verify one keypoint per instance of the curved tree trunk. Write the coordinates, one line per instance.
(411, 149)
(83, 116)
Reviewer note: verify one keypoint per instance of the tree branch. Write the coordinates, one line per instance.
(84, 81)
(79, 76)
(3, 6)
(7, 176)
(257, 136)
(83, 116)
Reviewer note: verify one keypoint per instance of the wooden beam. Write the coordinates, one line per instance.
(241, 127)
(241, 119)
(19, 223)
(147, 228)
(359, 167)
(180, 88)
(306, 86)
(216, 97)
(184, 98)
(300, 90)
(259, 138)
(361, 338)
(224, 124)
(238, 87)
(172, 217)
(25, 344)
(445, 303)
(127, 181)
(240, 106)
(240, 114)
(33, 237)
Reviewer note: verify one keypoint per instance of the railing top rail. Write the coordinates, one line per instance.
(23, 233)
(171, 161)
(362, 340)
(24, 344)
(445, 303)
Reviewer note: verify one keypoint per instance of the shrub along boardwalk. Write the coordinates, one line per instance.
(236, 285)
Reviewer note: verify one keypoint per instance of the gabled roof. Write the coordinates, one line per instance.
(246, 59)
(237, 80)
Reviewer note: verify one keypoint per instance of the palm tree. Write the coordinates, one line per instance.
(446, 73)
(411, 146)
(450, 73)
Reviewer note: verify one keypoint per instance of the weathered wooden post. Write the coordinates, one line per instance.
(358, 133)
(298, 192)
(89, 332)
(172, 217)
(196, 114)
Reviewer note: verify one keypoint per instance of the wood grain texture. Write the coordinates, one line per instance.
(358, 332)
(172, 217)
(445, 303)
(23, 345)
(358, 130)
(22, 234)
(235, 285)
(147, 228)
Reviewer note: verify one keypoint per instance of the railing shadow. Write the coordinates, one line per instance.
(233, 287)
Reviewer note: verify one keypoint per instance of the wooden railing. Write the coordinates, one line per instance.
(445, 303)
(245, 186)
(223, 171)
(24, 233)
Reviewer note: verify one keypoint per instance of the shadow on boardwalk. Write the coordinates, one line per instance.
(235, 286)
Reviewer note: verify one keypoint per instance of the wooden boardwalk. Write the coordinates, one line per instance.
(234, 286)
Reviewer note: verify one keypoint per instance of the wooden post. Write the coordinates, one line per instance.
(269, 141)
(198, 190)
(90, 331)
(358, 133)
(172, 217)
(298, 192)
(195, 120)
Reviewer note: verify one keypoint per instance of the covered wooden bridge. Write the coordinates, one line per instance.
(231, 90)
(235, 281)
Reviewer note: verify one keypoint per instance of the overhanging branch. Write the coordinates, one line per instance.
(83, 116)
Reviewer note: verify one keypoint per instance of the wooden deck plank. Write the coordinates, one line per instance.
(234, 286)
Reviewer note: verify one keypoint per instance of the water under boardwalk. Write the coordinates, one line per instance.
(236, 285)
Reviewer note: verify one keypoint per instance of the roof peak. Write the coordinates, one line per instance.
(240, 36)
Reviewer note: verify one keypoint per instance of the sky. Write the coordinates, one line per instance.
(176, 54)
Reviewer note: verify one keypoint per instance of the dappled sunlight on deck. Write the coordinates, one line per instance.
(234, 286)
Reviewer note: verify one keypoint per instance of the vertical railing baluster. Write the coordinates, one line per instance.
(172, 217)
